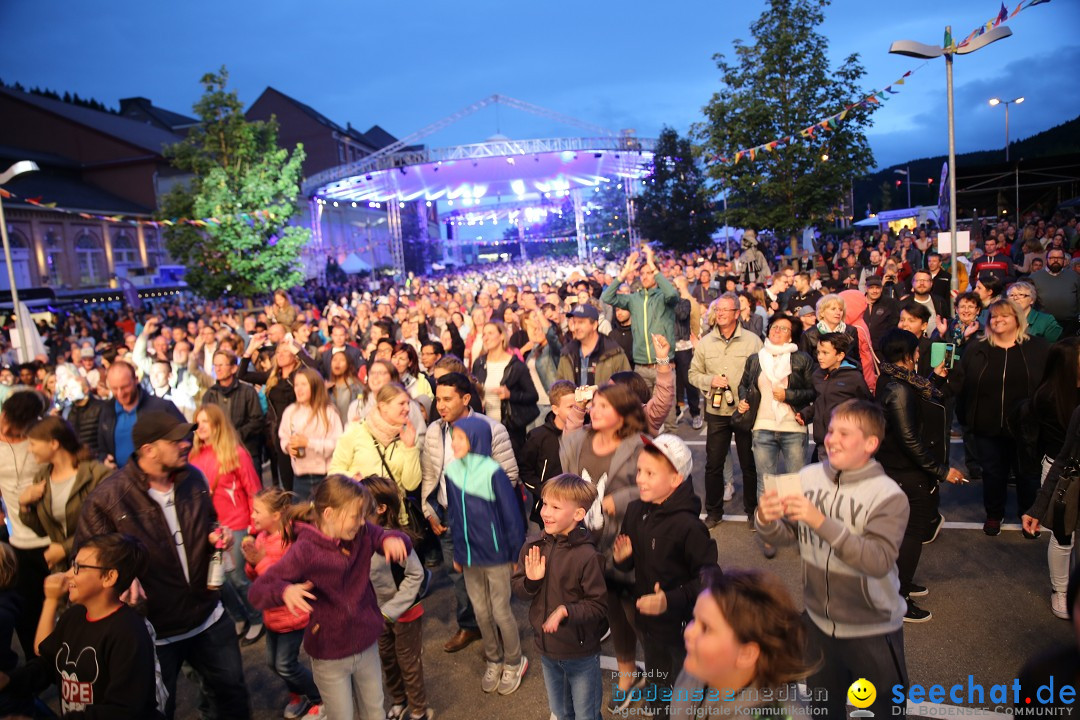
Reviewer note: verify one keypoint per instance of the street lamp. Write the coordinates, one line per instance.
(996, 101)
(18, 168)
(907, 176)
(910, 48)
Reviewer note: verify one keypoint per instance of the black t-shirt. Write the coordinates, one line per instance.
(104, 668)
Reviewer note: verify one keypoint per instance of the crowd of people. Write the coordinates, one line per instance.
(211, 474)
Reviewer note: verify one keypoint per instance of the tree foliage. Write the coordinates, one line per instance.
(237, 170)
(674, 207)
(775, 87)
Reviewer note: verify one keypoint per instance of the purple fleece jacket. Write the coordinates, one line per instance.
(345, 617)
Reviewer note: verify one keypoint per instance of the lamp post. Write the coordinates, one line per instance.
(17, 169)
(907, 176)
(910, 48)
(1006, 103)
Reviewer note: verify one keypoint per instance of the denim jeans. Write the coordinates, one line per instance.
(234, 596)
(770, 446)
(304, 484)
(575, 688)
(466, 618)
(283, 657)
(351, 685)
(683, 385)
(214, 654)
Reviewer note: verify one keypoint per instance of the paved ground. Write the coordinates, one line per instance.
(989, 597)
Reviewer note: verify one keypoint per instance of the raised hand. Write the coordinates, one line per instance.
(535, 564)
(623, 548)
(662, 346)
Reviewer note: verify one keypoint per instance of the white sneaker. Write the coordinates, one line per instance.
(1059, 606)
(491, 677)
(729, 492)
(511, 676)
(697, 422)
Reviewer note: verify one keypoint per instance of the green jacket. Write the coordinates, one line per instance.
(1043, 325)
(652, 312)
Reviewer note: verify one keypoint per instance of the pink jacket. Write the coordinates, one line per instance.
(322, 439)
(233, 492)
(277, 619)
(656, 410)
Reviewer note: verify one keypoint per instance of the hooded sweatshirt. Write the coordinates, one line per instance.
(484, 511)
(575, 578)
(671, 546)
(830, 389)
(850, 583)
(854, 308)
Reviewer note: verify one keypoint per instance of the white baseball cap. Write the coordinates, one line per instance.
(675, 450)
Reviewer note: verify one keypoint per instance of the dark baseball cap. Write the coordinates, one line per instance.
(873, 280)
(587, 311)
(156, 425)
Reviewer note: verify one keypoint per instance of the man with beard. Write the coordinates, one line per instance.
(1059, 291)
(163, 501)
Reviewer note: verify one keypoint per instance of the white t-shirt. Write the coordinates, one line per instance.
(61, 491)
(492, 402)
(167, 501)
(17, 470)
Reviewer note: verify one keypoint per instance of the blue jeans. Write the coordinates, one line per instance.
(214, 654)
(351, 686)
(770, 445)
(283, 657)
(575, 688)
(304, 484)
(466, 618)
(234, 595)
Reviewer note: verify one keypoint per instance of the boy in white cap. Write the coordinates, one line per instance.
(665, 543)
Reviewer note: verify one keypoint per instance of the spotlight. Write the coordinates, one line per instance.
(368, 177)
(598, 155)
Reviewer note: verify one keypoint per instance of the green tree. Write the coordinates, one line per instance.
(775, 87)
(674, 206)
(249, 185)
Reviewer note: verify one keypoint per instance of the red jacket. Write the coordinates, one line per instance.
(233, 492)
(277, 619)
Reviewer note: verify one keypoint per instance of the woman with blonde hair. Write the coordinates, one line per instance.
(309, 431)
(831, 310)
(380, 374)
(996, 372)
(233, 480)
(384, 443)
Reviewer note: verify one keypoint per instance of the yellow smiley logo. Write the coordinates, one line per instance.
(862, 693)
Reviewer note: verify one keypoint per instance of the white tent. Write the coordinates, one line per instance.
(355, 264)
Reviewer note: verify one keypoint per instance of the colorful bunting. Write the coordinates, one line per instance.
(877, 97)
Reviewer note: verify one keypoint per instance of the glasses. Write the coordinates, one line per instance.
(1013, 295)
(725, 310)
(76, 566)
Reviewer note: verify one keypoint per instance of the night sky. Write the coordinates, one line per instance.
(619, 65)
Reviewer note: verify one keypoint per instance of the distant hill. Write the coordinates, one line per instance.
(1057, 146)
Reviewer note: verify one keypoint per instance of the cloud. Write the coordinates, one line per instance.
(1045, 82)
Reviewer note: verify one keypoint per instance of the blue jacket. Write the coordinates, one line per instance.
(485, 515)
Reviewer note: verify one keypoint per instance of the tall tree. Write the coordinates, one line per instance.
(776, 86)
(249, 186)
(674, 206)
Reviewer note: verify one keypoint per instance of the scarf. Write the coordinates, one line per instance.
(840, 327)
(922, 385)
(383, 432)
(776, 366)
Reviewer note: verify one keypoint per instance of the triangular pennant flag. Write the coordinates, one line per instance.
(48, 205)
(1014, 12)
(891, 91)
(738, 156)
(4, 193)
(825, 125)
(907, 73)
(873, 99)
(753, 154)
(842, 115)
(34, 200)
(948, 43)
(1002, 16)
(899, 82)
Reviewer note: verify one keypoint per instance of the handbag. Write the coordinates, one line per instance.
(1061, 513)
(744, 421)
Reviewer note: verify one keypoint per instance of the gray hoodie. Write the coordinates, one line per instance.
(850, 583)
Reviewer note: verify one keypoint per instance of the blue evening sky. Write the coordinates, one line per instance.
(628, 64)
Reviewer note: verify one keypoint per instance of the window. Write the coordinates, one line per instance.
(155, 254)
(124, 252)
(91, 257)
(54, 253)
